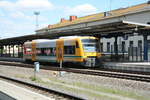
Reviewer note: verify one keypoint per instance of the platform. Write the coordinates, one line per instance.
(11, 59)
(4, 96)
(132, 66)
(20, 93)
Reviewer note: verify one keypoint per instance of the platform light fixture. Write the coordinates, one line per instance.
(136, 31)
(36, 13)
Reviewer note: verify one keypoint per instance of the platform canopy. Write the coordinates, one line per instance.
(20, 39)
(118, 28)
(107, 29)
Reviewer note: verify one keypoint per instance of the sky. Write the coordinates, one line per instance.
(17, 16)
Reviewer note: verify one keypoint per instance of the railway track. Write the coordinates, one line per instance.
(56, 94)
(130, 76)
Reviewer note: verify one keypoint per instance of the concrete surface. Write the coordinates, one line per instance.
(20, 93)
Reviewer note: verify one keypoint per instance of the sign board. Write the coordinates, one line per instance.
(37, 66)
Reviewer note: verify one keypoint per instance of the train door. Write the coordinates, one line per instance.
(33, 51)
(59, 50)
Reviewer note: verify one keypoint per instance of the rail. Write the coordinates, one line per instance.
(110, 73)
(44, 89)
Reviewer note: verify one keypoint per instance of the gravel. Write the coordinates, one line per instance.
(136, 87)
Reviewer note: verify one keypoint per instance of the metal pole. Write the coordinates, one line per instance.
(36, 14)
(18, 51)
(145, 48)
(9, 50)
(22, 50)
(60, 68)
(34, 73)
(61, 64)
(110, 4)
(116, 48)
(1, 50)
(6, 50)
(13, 51)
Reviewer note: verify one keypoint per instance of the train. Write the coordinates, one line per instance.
(80, 50)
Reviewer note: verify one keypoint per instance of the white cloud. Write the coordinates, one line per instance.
(21, 15)
(26, 5)
(84, 9)
(6, 5)
(22, 9)
(34, 4)
(18, 17)
(13, 29)
(24, 17)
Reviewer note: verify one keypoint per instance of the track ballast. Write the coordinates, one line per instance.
(130, 76)
(44, 90)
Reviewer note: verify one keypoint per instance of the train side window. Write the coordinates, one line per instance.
(28, 51)
(38, 51)
(77, 44)
(69, 49)
(42, 52)
(53, 51)
(47, 51)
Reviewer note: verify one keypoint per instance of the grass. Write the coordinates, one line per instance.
(97, 88)
(104, 89)
(32, 78)
(20, 76)
(110, 90)
(78, 91)
(90, 94)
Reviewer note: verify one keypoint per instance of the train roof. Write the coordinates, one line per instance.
(44, 40)
(72, 37)
(54, 40)
(41, 41)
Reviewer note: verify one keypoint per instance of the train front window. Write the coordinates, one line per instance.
(90, 45)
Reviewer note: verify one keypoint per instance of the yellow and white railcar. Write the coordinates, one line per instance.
(83, 50)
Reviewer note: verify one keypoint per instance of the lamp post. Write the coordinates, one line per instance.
(36, 13)
(110, 3)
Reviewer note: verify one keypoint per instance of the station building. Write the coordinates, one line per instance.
(132, 47)
(123, 33)
(130, 40)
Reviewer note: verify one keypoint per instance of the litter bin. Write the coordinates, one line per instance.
(37, 66)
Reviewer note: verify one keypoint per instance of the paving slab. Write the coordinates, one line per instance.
(20, 93)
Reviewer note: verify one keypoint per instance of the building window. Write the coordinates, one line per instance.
(131, 44)
(101, 47)
(140, 44)
(108, 46)
(123, 46)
